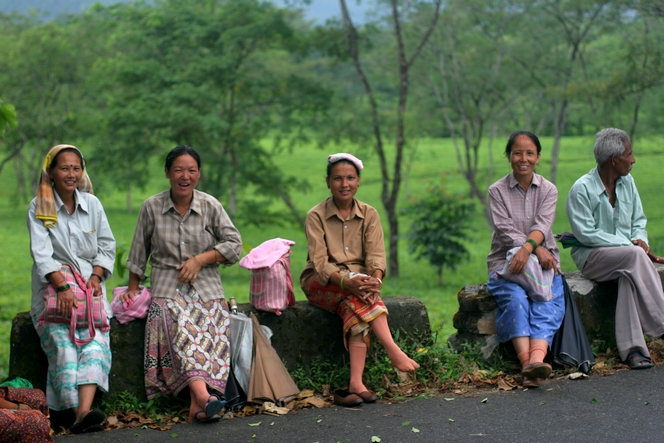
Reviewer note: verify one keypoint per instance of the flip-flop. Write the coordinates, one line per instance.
(214, 407)
(207, 419)
(90, 423)
(635, 357)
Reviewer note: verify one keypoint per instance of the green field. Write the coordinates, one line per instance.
(434, 161)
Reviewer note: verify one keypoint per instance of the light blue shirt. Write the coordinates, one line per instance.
(82, 239)
(595, 223)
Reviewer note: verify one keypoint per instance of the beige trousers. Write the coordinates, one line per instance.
(640, 306)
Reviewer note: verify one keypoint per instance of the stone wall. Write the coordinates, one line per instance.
(302, 333)
(476, 319)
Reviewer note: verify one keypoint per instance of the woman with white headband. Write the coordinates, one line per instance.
(344, 272)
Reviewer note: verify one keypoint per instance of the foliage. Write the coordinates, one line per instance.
(126, 402)
(8, 117)
(217, 76)
(441, 225)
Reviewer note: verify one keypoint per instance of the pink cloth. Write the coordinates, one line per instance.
(266, 254)
(131, 309)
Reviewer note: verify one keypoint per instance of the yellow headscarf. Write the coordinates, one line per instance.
(46, 210)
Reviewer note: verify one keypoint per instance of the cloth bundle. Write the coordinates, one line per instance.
(89, 313)
(536, 281)
(131, 309)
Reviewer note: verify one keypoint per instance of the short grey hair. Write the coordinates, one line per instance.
(608, 142)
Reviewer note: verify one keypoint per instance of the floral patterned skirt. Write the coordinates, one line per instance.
(24, 426)
(186, 339)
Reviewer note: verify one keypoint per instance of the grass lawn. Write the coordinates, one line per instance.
(433, 161)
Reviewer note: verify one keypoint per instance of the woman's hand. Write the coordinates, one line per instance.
(128, 295)
(364, 287)
(519, 261)
(95, 284)
(189, 271)
(66, 301)
(642, 244)
(545, 258)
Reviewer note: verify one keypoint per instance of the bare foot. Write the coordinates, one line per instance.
(402, 362)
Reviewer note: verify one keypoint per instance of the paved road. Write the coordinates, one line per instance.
(626, 407)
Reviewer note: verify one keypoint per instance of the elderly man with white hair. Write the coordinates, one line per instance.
(606, 216)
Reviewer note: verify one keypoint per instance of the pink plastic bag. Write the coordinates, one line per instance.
(271, 288)
(132, 309)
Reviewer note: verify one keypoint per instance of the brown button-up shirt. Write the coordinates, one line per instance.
(170, 239)
(355, 243)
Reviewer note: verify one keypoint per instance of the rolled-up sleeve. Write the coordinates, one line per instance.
(230, 241)
(545, 214)
(638, 219)
(374, 243)
(503, 224)
(105, 257)
(41, 247)
(141, 243)
(318, 254)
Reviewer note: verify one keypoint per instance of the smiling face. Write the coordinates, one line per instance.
(183, 175)
(343, 182)
(66, 172)
(623, 164)
(524, 158)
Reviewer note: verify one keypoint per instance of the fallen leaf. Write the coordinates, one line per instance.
(375, 439)
(450, 420)
(593, 401)
(271, 407)
(406, 423)
(112, 420)
(449, 398)
(577, 375)
(305, 393)
(485, 400)
(541, 403)
(255, 424)
(415, 430)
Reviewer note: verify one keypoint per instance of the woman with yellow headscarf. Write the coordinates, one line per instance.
(68, 226)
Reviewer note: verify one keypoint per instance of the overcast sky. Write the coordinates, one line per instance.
(321, 10)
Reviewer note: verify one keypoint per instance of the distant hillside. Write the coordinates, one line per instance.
(52, 7)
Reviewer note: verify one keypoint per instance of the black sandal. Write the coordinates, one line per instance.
(635, 357)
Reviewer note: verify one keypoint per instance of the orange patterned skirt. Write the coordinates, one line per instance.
(354, 312)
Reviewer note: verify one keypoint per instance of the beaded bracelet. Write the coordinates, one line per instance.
(62, 288)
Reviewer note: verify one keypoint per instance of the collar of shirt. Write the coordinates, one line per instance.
(597, 185)
(80, 202)
(537, 180)
(194, 206)
(332, 210)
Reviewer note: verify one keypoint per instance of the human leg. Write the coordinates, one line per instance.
(398, 358)
(640, 304)
(358, 353)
